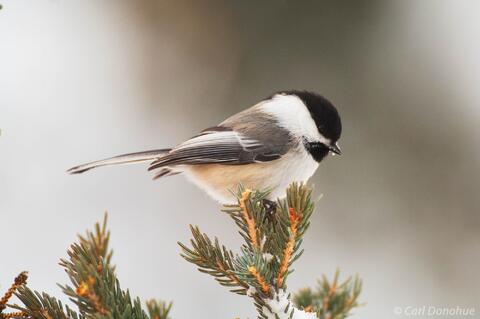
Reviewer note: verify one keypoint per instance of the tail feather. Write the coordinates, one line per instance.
(120, 159)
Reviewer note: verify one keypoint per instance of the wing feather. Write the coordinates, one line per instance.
(218, 146)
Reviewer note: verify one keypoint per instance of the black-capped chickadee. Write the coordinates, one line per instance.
(276, 142)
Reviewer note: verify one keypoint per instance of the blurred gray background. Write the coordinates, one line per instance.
(83, 80)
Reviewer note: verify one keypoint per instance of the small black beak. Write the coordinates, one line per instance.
(335, 149)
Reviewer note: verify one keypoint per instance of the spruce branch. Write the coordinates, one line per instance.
(249, 220)
(259, 270)
(19, 281)
(259, 279)
(95, 289)
(250, 217)
(158, 309)
(272, 245)
(332, 300)
(43, 306)
(213, 259)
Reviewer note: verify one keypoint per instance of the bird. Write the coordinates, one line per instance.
(280, 140)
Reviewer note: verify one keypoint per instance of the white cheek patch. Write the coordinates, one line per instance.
(293, 115)
(324, 140)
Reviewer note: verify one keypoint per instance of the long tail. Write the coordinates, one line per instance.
(120, 159)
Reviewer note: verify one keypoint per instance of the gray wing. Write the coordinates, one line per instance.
(239, 143)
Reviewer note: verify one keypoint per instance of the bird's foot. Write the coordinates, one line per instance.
(270, 210)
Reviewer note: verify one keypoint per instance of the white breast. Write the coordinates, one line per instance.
(293, 167)
(218, 180)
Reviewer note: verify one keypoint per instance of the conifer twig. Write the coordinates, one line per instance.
(95, 288)
(330, 299)
(289, 247)
(14, 315)
(214, 259)
(85, 289)
(19, 281)
(261, 268)
(158, 309)
(252, 230)
(260, 280)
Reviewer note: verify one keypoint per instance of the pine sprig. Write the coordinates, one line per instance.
(253, 268)
(330, 299)
(95, 289)
(213, 259)
(43, 306)
(158, 309)
(90, 271)
(250, 217)
(19, 281)
(272, 245)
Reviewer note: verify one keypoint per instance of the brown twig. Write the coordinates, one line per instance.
(252, 229)
(85, 289)
(12, 315)
(289, 247)
(20, 280)
(308, 309)
(260, 280)
(231, 276)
